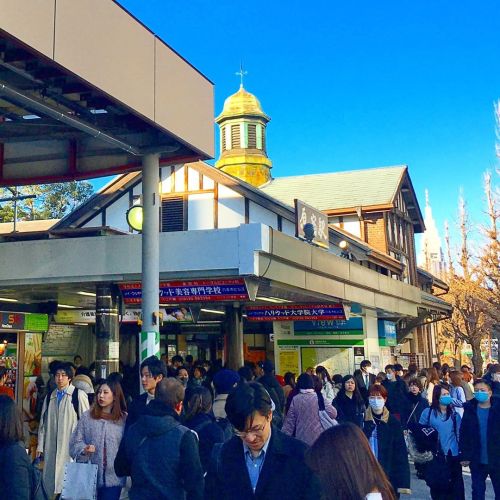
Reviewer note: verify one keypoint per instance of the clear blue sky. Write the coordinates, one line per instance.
(356, 84)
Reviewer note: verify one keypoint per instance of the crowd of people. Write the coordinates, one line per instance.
(202, 431)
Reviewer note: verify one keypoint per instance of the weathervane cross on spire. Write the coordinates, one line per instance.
(241, 73)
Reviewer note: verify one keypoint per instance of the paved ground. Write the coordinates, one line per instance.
(420, 491)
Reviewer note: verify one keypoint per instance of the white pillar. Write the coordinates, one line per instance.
(370, 330)
(150, 335)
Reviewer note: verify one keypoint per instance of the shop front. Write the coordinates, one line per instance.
(21, 336)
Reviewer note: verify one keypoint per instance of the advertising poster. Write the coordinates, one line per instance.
(289, 361)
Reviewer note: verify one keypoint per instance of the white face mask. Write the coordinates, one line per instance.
(376, 404)
(496, 377)
(390, 376)
(368, 369)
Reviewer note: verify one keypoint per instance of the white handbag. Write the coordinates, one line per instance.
(80, 481)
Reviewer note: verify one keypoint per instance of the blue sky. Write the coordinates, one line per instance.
(356, 84)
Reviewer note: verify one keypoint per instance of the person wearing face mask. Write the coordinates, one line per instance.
(385, 434)
(479, 441)
(183, 376)
(397, 402)
(446, 421)
(365, 379)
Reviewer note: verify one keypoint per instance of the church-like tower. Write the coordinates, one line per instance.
(242, 126)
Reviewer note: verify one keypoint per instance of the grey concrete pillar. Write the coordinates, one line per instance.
(150, 336)
(107, 329)
(234, 337)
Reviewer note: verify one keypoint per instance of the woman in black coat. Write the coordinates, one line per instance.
(482, 455)
(385, 434)
(199, 419)
(349, 402)
(416, 402)
(16, 473)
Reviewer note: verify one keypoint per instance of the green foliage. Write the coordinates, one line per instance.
(53, 201)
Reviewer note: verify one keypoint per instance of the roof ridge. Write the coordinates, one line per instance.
(340, 172)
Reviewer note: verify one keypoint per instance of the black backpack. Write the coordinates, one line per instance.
(74, 402)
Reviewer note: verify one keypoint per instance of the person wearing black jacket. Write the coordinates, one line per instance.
(199, 418)
(153, 371)
(16, 472)
(260, 462)
(416, 402)
(385, 434)
(268, 380)
(396, 388)
(365, 379)
(349, 402)
(479, 442)
(158, 453)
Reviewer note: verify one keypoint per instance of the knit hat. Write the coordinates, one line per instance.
(225, 380)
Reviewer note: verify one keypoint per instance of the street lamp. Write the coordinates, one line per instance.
(134, 217)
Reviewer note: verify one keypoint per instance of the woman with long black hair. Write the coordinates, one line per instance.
(346, 468)
(199, 418)
(327, 388)
(16, 473)
(447, 485)
(349, 402)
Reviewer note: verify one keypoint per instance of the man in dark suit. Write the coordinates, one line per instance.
(260, 462)
(153, 371)
(365, 379)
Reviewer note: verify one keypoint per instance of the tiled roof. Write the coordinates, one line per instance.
(330, 191)
(28, 225)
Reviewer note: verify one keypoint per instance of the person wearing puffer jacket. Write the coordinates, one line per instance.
(302, 420)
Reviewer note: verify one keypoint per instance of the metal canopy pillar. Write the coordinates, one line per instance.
(107, 330)
(150, 334)
(234, 336)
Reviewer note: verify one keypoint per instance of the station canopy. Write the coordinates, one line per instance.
(86, 91)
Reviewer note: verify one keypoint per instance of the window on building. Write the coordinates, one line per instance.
(264, 139)
(252, 136)
(172, 214)
(223, 138)
(235, 136)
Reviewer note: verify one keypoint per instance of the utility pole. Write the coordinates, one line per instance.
(15, 198)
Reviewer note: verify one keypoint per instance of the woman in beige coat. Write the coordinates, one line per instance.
(60, 414)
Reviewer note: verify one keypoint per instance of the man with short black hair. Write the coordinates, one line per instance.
(260, 461)
(177, 361)
(60, 413)
(152, 372)
(158, 453)
(365, 379)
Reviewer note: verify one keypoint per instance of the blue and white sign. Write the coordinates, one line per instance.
(387, 333)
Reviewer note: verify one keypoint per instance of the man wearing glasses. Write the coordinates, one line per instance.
(259, 462)
(60, 413)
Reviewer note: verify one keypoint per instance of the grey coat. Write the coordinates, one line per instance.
(56, 426)
(98, 432)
